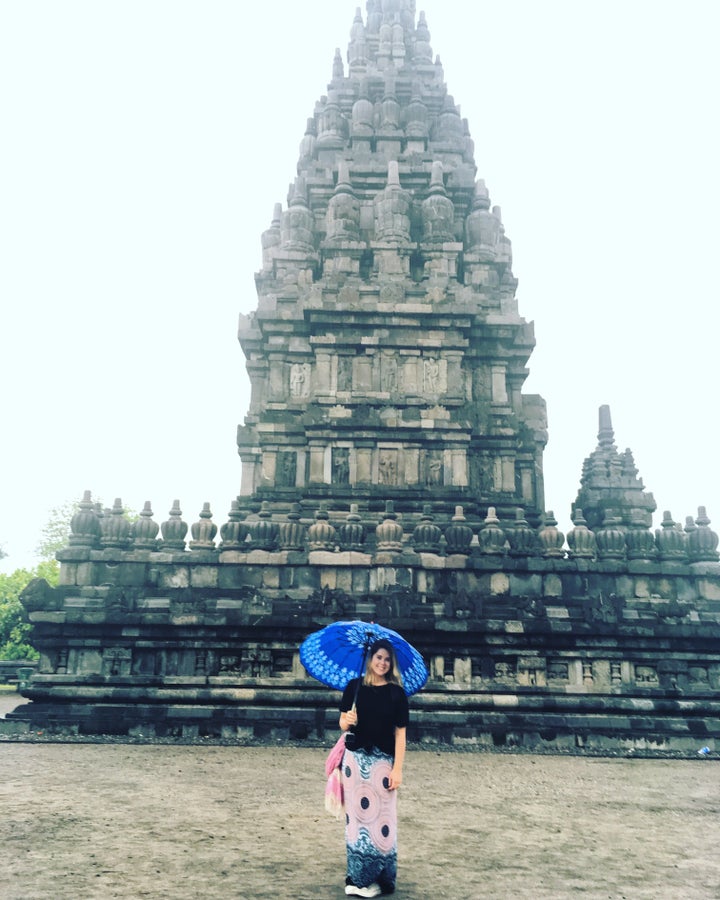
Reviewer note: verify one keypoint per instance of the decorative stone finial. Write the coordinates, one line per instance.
(458, 535)
(482, 228)
(174, 529)
(338, 67)
(263, 532)
(392, 209)
(521, 537)
(308, 143)
(85, 524)
(580, 539)
(491, 536)
(389, 532)
(271, 238)
(702, 541)
(321, 534)
(427, 535)
(671, 540)
(438, 212)
(352, 532)
(297, 226)
(343, 213)
(115, 527)
(234, 532)
(610, 538)
(145, 530)
(606, 435)
(416, 115)
(203, 531)
(551, 538)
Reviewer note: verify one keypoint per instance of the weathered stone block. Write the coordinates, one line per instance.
(708, 589)
(499, 583)
(174, 577)
(204, 576)
(552, 586)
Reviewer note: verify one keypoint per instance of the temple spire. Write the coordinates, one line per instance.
(610, 485)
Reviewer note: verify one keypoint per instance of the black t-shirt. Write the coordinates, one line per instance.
(380, 711)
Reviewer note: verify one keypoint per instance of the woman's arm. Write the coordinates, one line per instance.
(400, 743)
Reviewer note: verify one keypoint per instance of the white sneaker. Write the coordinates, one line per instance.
(372, 890)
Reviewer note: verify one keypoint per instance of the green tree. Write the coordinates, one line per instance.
(14, 628)
(56, 532)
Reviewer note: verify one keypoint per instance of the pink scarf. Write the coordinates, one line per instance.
(334, 798)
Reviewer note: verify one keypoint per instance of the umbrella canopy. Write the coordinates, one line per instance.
(336, 654)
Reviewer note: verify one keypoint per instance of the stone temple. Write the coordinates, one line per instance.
(392, 470)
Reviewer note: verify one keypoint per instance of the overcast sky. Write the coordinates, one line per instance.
(146, 141)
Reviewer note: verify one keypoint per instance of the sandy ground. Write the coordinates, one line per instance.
(119, 820)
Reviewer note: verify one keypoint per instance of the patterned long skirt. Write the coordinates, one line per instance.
(371, 819)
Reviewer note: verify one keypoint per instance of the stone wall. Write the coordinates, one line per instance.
(541, 649)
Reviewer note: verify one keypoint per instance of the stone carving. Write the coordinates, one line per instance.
(117, 661)
(389, 374)
(291, 533)
(145, 530)
(433, 468)
(438, 212)
(431, 376)
(392, 210)
(352, 532)
(343, 214)
(300, 381)
(296, 228)
(341, 465)
(286, 470)
(321, 534)
(646, 675)
(234, 532)
(482, 228)
(344, 373)
(458, 535)
(558, 670)
(174, 529)
(603, 611)
(505, 670)
(387, 467)
(203, 531)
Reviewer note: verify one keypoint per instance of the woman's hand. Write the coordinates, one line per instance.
(395, 778)
(348, 719)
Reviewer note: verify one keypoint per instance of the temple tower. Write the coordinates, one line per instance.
(387, 356)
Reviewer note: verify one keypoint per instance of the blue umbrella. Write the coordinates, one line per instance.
(336, 654)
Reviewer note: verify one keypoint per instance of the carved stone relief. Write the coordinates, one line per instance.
(433, 468)
(286, 469)
(299, 380)
(341, 465)
(388, 467)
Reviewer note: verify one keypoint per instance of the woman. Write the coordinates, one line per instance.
(372, 772)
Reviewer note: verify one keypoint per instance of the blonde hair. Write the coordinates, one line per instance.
(394, 676)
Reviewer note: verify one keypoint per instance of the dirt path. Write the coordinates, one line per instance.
(102, 821)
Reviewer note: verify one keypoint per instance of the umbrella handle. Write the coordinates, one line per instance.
(366, 649)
